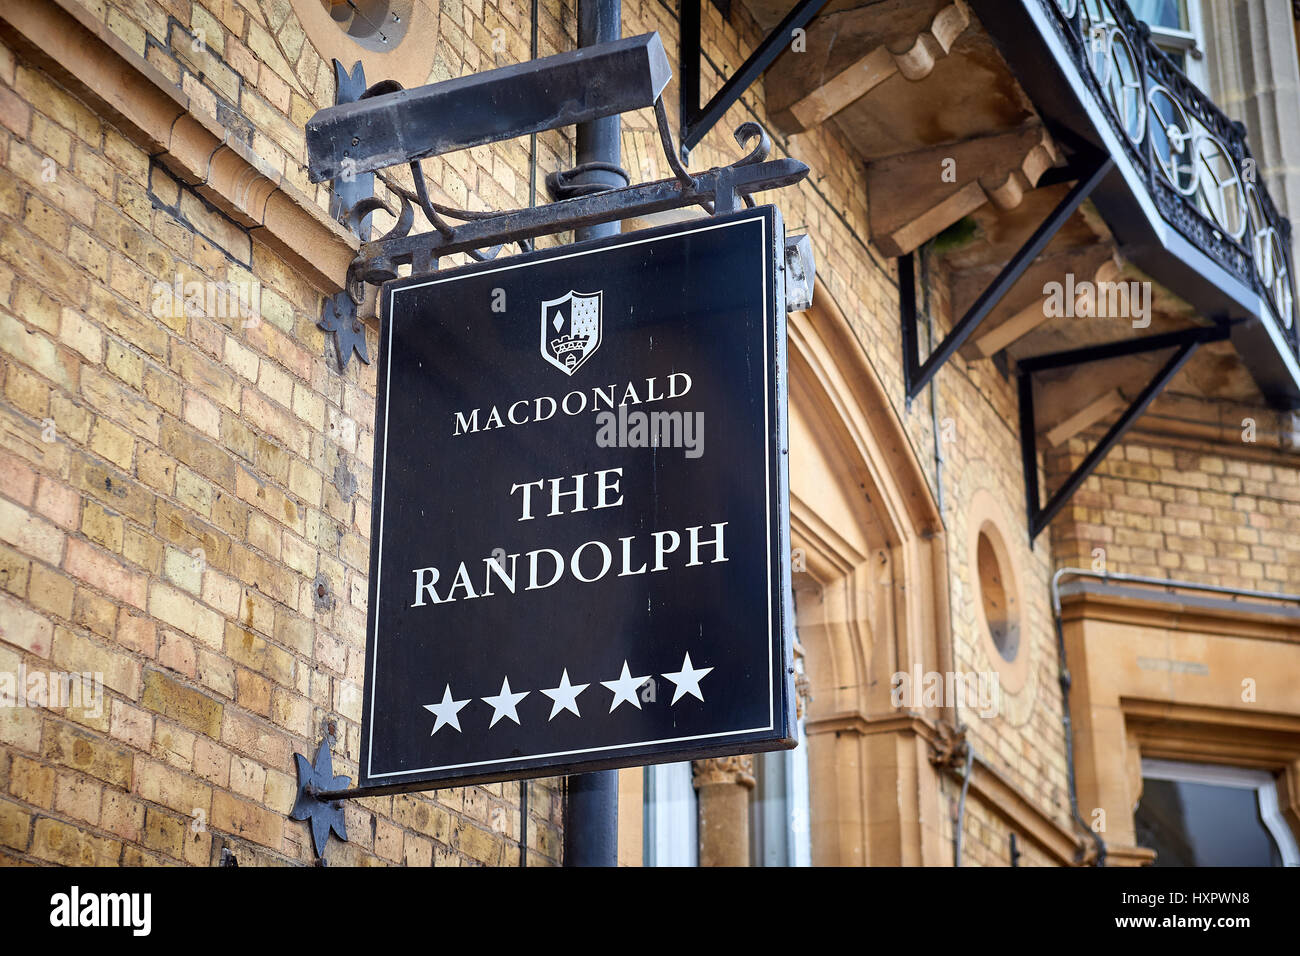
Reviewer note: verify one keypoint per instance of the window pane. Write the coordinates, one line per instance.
(1161, 13)
(1178, 56)
(670, 826)
(769, 818)
(1198, 824)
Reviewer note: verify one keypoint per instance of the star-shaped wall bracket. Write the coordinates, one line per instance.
(324, 815)
(339, 316)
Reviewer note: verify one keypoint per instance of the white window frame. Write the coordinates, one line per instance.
(1261, 781)
(1190, 42)
(671, 822)
(782, 835)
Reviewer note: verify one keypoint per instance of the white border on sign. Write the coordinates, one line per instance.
(767, 472)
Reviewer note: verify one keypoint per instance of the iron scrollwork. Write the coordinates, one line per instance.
(483, 235)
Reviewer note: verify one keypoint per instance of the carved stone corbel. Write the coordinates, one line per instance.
(913, 60)
(723, 784)
(914, 196)
(734, 771)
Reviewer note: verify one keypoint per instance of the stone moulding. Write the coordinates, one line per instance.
(68, 43)
(914, 63)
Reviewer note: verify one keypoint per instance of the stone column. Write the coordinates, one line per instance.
(724, 784)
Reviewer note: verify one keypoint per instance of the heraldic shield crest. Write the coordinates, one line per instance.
(571, 329)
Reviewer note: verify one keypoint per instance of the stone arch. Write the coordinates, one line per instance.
(871, 602)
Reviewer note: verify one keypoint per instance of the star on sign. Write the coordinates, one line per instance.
(446, 711)
(625, 688)
(687, 680)
(503, 704)
(565, 696)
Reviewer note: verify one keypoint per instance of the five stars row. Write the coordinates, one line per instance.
(565, 696)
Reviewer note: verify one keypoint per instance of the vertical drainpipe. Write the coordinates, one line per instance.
(947, 650)
(591, 817)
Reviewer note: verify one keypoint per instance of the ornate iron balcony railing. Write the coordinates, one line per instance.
(1196, 161)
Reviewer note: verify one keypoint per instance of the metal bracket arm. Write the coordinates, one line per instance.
(401, 126)
(917, 374)
(1186, 342)
(697, 120)
(719, 186)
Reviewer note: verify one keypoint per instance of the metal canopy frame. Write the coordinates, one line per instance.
(696, 120)
(1053, 48)
(1185, 343)
(917, 374)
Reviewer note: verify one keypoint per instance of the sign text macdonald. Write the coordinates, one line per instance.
(575, 402)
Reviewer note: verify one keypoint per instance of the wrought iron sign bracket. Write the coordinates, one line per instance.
(482, 236)
(917, 374)
(319, 793)
(317, 799)
(697, 120)
(389, 126)
(1185, 342)
(349, 187)
(339, 316)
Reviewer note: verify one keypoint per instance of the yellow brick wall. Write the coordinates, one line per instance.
(986, 838)
(1208, 512)
(198, 491)
(188, 433)
(184, 509)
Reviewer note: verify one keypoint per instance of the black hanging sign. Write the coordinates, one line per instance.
(580, 514)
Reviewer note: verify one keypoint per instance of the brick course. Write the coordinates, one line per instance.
(168, 497)
(169, 504)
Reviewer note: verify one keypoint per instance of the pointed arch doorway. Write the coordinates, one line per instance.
(871, 601)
